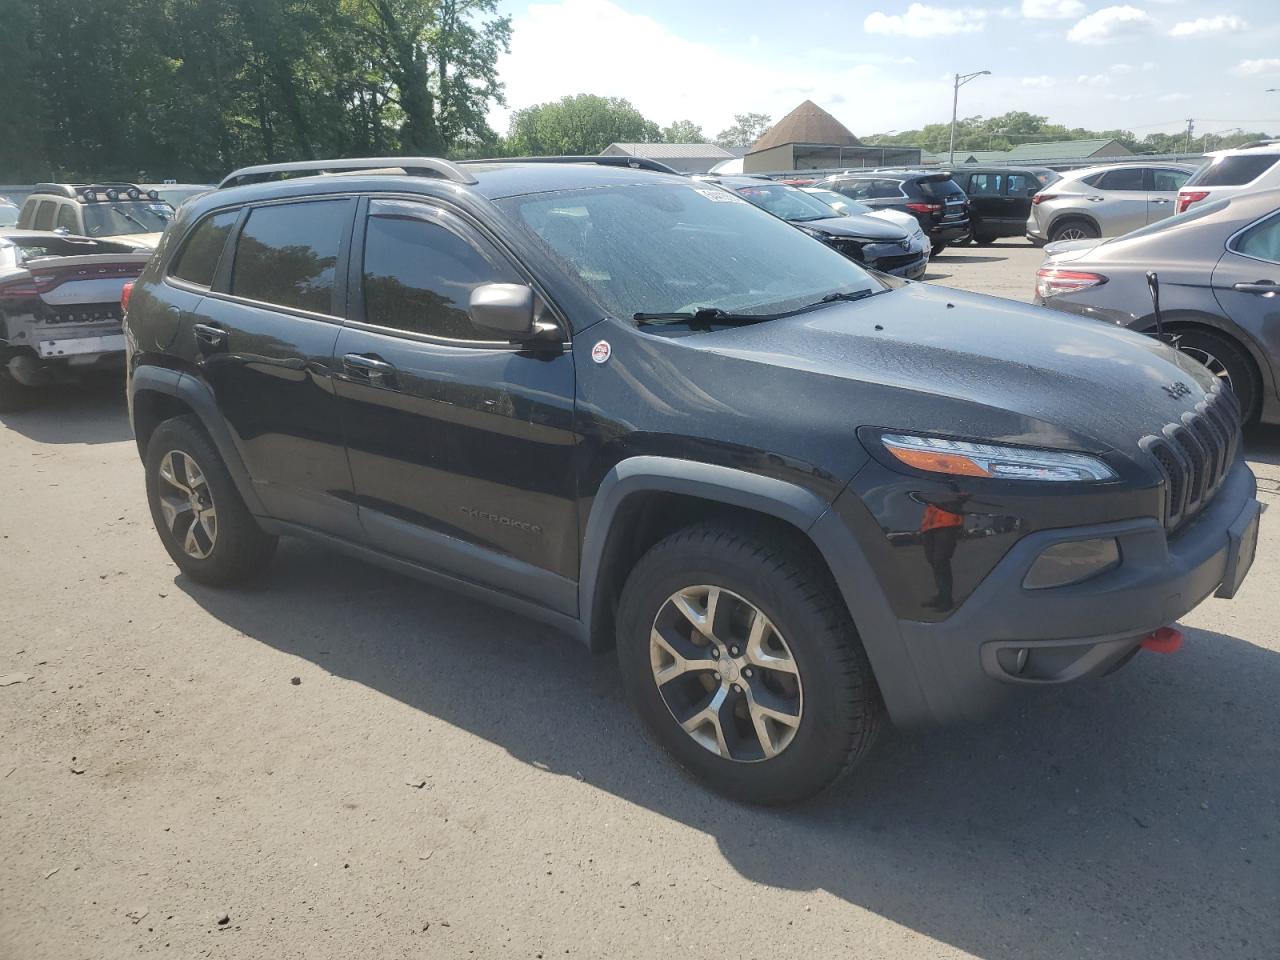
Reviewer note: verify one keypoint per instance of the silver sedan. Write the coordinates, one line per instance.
(1218, 272)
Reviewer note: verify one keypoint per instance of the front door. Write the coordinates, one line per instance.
(986, 205)
(263, 340)
(1119, 201)
(461, 446)
(1162, 196)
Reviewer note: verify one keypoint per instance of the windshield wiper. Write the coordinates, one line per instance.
(130, 217)
(849, 297)
(703, 316)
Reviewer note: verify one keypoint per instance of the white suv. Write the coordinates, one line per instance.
(1254, 166)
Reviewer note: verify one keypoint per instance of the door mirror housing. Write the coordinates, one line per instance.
(505, 308)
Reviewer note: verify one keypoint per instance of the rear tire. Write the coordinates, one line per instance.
(806, 663)
(1228, 361)
(1074, 229)
(202, 522)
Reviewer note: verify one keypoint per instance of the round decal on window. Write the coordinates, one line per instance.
(601, 351)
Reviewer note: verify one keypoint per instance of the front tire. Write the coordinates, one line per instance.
(202, 522)
(739, 654)
(1227, 361)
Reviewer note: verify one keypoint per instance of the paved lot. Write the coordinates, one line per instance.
(444, 780)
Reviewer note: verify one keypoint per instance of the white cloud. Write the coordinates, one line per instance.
(1206, 25)
(1110, 23)
(1040, 81)
(1173, 98)
(1094, 80)
(1253, 68)
(1122, 68)
(1052, 9)
(921, 20)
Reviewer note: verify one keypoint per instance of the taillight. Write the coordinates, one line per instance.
(1187, 197)
(1040, 198)
(125, 293)
(925, 207)
(1051, 281)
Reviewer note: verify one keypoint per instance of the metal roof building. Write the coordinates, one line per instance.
(809, 138)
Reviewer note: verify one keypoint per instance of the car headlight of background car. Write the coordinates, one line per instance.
(964, 458)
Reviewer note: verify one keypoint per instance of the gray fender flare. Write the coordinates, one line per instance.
(197, 395)
(860, 587)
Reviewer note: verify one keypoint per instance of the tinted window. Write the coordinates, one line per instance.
(287, 254)
(28, 215)
(1092, 179)
(1020, 185)
(939, 189)
(1168, 181)
(1130, 179)
(44, 215)
(1233, 171)
(199, 258)
(67, 217)
(984, 185)
(418, 275)
(789, 203)
(1261, 241)
(870, 189)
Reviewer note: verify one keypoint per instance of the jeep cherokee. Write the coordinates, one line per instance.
(797, 497)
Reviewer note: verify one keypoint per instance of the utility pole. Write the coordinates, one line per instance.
(1191, 127)
(961, 80)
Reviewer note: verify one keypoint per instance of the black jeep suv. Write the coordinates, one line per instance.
(795, 495)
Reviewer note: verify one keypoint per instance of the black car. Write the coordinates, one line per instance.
(795, 495)
(867, 240)
(1000, 198)
(932, 198)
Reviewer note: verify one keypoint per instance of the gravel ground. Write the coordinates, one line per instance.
(346, 761)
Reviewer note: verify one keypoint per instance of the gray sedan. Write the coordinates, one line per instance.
(1218, 267)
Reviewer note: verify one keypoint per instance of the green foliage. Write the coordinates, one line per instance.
(747, 129)
(1017, 127)
(584, 124)
(190, 89)
(683, 131)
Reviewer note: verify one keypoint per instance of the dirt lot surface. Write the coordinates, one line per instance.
(346, 763)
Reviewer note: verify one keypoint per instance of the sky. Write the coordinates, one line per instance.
(883, 66)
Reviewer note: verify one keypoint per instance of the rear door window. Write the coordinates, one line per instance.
(985, 185)
(44, 215)
(1261, 241)
(287, 254)
(1168, 181)
(1131, 179)
(198, 261)
(1020, 185)
(1233, 171)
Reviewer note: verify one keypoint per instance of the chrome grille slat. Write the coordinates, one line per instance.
(1195, 454)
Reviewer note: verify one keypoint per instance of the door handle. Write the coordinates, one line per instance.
(1095, 199)
(1161, 200)
(208, 335)
(368, 367)
(1266, 288)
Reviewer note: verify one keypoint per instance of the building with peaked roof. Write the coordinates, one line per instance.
(1056, 150)
(685, 157)
(809, 138)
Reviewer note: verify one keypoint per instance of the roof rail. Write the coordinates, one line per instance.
(635, 163)
(58, 189)
(1254, 144)
(412, 166)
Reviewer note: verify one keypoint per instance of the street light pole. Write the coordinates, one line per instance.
(961, 80)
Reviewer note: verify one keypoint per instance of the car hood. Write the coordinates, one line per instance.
(904, 220)
(144, 241)
(859, 225)
(996, 369)
(1064, 250)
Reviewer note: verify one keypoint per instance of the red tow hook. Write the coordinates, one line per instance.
(1164, 640)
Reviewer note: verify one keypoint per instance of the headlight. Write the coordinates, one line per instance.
(966, 459)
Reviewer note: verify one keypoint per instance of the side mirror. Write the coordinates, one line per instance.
(505, 308)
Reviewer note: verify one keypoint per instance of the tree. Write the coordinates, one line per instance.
(747, 129)
(584, 124)
(683, 131)
(466, 68)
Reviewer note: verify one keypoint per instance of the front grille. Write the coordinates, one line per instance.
(1194, 455)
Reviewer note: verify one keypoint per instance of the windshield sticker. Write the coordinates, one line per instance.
(719, 196)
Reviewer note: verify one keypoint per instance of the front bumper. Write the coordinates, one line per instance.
(965, 666)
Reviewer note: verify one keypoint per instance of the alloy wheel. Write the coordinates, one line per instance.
(1072, 233)
(1214, 365)
(726, 674)
(187, 504)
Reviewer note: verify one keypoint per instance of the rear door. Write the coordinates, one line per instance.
(1118, 201)
(1162, 193)
(263, 340)
(1246, 282)
(461, 445)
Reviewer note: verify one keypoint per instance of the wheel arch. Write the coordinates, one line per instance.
(1061, 218)
(157, 394)
(1212, 323)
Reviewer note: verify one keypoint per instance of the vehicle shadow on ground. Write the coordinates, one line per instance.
(1262, 444)
(950, 258)
(75, 413)
(1131, 817)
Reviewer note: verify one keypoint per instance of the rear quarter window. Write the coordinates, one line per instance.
(198, 260)
(939, 189)
(44, 215)
(1233, 171)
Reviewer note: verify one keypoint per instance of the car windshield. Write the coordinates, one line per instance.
(789, 203)
(112, 218)
(659, 247)
(839, 202)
